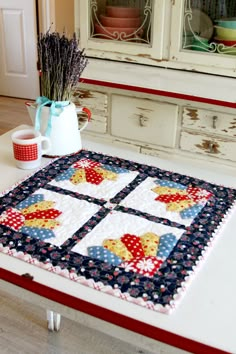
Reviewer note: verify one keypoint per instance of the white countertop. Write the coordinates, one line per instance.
(206, 313)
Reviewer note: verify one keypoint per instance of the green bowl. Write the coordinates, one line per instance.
(200, 44)
(227, 22)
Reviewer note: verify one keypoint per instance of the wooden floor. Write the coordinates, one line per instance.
(23, 330)
(23, 327)
(12, 113)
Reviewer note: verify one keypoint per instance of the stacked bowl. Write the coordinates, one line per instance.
(119, 22)
(225, 33)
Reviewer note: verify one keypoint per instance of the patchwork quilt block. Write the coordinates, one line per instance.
(124, 228)
(94, 178)
(167, 199)
(131, 242)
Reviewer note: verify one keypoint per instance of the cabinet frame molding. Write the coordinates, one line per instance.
(221, 64)
(141, 53)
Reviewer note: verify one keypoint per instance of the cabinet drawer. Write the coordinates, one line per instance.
(204, 144)
(213, 122)
(97, 103)
(144, 120)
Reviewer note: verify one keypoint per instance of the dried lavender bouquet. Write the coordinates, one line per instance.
(61, 63)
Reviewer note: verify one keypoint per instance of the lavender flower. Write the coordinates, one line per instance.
(61, 63)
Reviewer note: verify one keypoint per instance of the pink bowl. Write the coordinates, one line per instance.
(108, 31)
(122, 12)
(120, 22)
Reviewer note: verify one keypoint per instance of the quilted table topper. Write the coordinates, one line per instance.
(124, 228)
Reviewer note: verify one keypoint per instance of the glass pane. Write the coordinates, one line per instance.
(121, 20)
(210, 26)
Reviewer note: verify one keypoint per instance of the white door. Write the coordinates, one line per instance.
(18, 49)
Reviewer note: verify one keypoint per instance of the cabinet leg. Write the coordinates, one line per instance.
(50, 320)
(53, 320)
(57, 321)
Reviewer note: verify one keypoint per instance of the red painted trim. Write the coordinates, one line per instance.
(108, 315)
(159, 92)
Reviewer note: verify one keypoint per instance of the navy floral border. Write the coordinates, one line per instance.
(164, 285)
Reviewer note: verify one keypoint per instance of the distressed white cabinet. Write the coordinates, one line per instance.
(213, 122)
(97, 102)
(195, 42)
(209, 132)
(160, 126)
(169, 86)
(119, 43)
(144, 120)
(214, 146)
(179, 34)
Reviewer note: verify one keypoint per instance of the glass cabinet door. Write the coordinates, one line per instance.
(206, 31)
(114, 28)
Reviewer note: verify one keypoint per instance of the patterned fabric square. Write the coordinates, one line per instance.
(138, 250)
(167, 199)
(95, 179)
(45, 216)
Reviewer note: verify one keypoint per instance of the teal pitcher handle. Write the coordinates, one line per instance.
(87, 112)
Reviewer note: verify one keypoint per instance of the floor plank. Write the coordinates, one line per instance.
(23, 330)
(12, 113)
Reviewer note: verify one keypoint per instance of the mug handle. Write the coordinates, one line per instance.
(87, 112)
(48, 144)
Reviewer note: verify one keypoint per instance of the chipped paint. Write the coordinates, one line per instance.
(83, 94)
(130, 60)
(141, 55)
(211, 121)
(97, 102)
(233, 126)
(192, 113)
(145, 109)
(195, 142)
(148, 56)
(209, 146)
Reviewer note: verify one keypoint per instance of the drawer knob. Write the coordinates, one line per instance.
(214, 119)
(212, 147)
(143, 121)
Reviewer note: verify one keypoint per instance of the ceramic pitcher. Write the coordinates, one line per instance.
(59, 122)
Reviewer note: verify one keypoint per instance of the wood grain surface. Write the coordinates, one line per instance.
(12, 113)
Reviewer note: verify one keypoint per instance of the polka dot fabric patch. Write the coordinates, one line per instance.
(104, 254)
(128, 229)
(150, 243)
